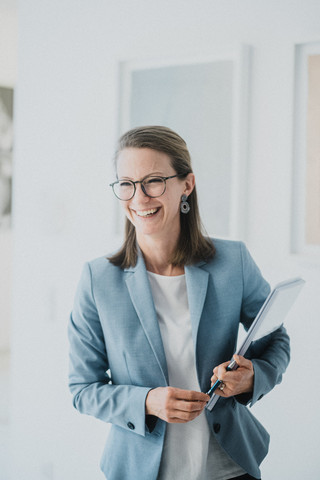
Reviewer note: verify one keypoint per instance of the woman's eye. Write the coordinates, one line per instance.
(153, 180)
(125, 184)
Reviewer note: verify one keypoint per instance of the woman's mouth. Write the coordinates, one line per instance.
(146, 213)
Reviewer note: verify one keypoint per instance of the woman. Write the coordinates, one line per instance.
(159, 315)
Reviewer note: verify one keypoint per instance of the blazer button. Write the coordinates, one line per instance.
(131, 426)
(216, 427)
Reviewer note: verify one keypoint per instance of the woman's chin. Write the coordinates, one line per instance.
(146, 225)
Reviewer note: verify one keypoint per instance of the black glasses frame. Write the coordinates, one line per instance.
(164, 179)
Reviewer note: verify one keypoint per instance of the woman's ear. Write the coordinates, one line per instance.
(190, 181)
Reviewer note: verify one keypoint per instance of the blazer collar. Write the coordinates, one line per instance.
(141, 296)
(197, 285)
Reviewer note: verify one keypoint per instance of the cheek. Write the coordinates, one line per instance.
(173, 206)
(176, 200)
(125, 208)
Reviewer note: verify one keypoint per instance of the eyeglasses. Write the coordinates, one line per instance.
(153, 186)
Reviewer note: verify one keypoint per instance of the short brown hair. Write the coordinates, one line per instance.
(192, 245)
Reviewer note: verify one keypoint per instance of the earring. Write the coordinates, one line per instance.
(184, 205)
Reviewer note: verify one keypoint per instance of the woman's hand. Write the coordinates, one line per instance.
(235, 382)
(175, 405)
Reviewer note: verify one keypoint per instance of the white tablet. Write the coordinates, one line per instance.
(270, 317)
(273, 312)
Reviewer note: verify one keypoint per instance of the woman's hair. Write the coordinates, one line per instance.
(192, 245)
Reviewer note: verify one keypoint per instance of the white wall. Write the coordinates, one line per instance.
(66, 126)
(8, 74)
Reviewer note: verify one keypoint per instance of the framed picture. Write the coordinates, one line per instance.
(6, 147)
(306, 165)
(205, 100)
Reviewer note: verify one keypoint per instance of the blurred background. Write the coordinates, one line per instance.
(240, 81)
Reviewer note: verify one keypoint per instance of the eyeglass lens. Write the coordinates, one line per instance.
(152, 186)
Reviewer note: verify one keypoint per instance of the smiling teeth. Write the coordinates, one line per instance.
(145, 213)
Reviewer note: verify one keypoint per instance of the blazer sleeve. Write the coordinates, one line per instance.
(271, 354)
(122, 405)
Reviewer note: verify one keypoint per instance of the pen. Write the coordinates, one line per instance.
(232, 366)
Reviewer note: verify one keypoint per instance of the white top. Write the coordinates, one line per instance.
(190, 451)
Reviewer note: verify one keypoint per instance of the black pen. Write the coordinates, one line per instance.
(232, 366)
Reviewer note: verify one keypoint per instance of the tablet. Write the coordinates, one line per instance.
(273, 312)
(269, 318)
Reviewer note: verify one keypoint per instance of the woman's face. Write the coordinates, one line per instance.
(156, 217)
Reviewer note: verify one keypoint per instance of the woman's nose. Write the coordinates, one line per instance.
(140, 195)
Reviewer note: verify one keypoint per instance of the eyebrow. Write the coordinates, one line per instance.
(153, 174)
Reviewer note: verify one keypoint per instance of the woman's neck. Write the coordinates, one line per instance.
(156, 255)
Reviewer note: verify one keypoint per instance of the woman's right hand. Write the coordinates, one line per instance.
(175, 405)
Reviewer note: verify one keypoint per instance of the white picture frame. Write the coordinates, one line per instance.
(6, 153)
(167, 92)
(301, 158)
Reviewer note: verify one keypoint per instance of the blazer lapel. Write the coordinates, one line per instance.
(141, 296)
(197, 285)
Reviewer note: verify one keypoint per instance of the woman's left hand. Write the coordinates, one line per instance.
(234, 382)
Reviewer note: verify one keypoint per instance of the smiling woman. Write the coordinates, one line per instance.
(154, 215)
(150, 315)
(158, 147)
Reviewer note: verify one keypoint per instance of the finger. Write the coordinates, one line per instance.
(225, 390)
(242, 362)
(184, 411)
(183, 406)
(221, 371)
(181, 417)
(222, 393)
(224, 364)
(190, 395)
(184, 416)
(215, 382)
(213, 379)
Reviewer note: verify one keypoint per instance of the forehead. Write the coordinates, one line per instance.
(138, 162)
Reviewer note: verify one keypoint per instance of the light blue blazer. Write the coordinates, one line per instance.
(113, 327)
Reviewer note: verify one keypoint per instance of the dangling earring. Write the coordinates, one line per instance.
(184, 205)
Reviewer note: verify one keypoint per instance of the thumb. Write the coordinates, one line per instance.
(241, 361)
